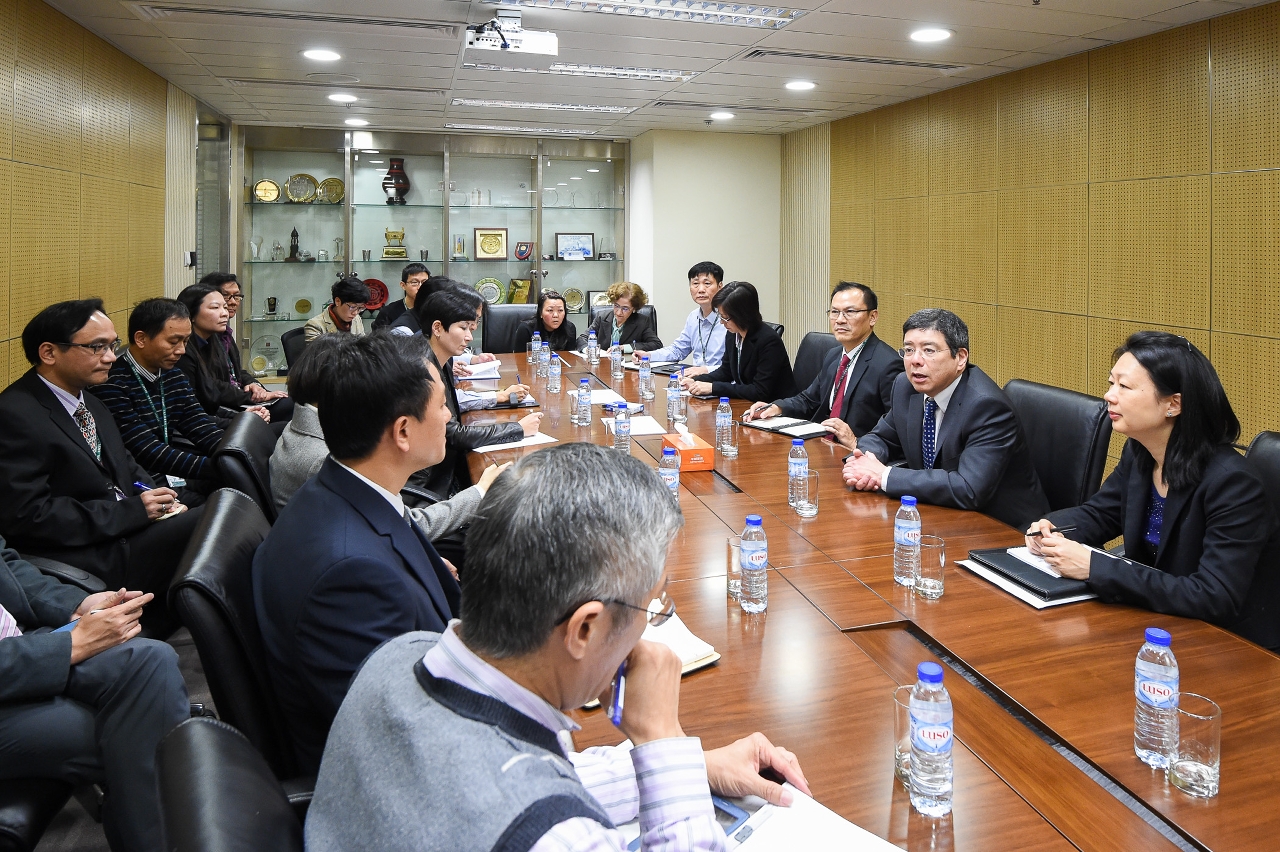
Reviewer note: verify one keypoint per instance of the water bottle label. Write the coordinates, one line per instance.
(797, 467)
(622, 427)
(929, 735)
(671, 477)
(754, 558)
(723, 419)
(906, 532)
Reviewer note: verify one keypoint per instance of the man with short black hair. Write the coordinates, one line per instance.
(343, 568)
(412, 278)
(952, 428)
(703, 335)
(350, 295)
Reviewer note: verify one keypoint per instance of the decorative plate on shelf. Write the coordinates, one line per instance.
(491, 290)
(266, 191)
(303, 306)
(600, 300)
(574, 300)
(378, 294)
(266, 353)
(331, 191)
(301, 188)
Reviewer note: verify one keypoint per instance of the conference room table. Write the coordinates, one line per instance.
(1043, 699)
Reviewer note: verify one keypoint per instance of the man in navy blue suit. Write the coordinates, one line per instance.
(343, 569)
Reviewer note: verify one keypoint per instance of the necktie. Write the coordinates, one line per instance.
(89, 429)
(8, 626)
(930, 432)
(837, 401)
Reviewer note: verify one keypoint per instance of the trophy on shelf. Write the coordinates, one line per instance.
(293, 248)
(277, 250)
(337, 248)
(459, 246)
(255, 245)
(394, 249)
(272, 303)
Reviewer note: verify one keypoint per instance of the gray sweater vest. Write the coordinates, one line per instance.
(417, 763)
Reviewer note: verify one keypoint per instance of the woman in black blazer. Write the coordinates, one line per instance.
(551, 322)
(1199, 532)
(625, 326)
(755, 364)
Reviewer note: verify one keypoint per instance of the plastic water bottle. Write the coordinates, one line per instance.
(535, 352)
(797, 469)
(724, 417)
(755, 566)
(1155, 714)
(593, 348)
(584, 403)
(544, 360)
(931, 737)
(669, 469)
(906, 543)
(646, 378)
(622, 427)
(675, 400)
(615, 362)
(553, 373)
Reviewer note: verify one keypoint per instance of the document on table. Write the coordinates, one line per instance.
(1024, 554)
(804, 430)
(804, 825)
(640, 426)
(1018, 591)
(605, 396)
(770, 424)
(635, 365)
(532, 441)
(486, 370)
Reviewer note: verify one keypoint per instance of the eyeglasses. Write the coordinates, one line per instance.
(96, 348)
(235, 297)
(849, 313)
(928, 352)
(659, 610)
(622, 309)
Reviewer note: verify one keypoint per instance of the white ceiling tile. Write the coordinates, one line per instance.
(1128, 30)
(1189, 12)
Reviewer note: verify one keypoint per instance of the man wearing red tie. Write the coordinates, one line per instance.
(853, 389)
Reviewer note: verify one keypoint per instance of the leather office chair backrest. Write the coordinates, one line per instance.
(1068, 433)
(647, 311)
(243, 459)
(500, 324)
(809, 357)
(217, 794)
(212, 593)
(27, 806)
(776, 326)
(293, 341)
(1264, 458)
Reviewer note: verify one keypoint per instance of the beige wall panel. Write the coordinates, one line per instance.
(1043, 347)
(1149, 251)
(1246, 253)
(17, 361)
(1149, 106)
(892, 313)
(1246, 89)
(105, 111)
(104, 242)
(962, 246)
(120, 319)
(853, 158)
(148, 119)
(8, 24)
(45, 264)
(1246, 366)
(146, 244)
(902, 149)
(6, 201)
(1044, 124)
(853, 256)
(1044, 248)
(1107, 334)
(902, 245)
(962, 139)
(806, 231)
(47, 93)
(982, 320)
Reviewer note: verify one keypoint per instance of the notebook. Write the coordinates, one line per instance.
(1034, 580)
(792, 427)
(693, 652)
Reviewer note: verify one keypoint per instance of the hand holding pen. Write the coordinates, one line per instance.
(644, 696)
(159, 502)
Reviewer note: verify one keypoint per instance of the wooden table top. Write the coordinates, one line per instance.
(1043, 699)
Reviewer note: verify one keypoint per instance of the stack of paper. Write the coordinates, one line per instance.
(487, 370)
(532, 441)
(605, 396)
(640, 426)
(694, 653)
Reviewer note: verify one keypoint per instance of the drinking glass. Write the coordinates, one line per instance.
(902, 734)
(729, 446)
(528, 358)
(933, 559)
(807, 495)
(1194, 767)
(733, 568)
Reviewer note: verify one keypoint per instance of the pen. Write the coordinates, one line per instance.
(619, 687)
(142, 486)
(1055, 529)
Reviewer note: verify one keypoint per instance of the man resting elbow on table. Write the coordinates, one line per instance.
(543, 631)
(1200, 535)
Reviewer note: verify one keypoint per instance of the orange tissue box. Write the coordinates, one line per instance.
(701, 456)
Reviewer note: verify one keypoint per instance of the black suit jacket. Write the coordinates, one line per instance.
(982, 460)
(638, 331)
(339, 574)
(388, 315)
(1219, 553)
(207, 367)
(34, 665)
(763, 372)
(56, 498)
(866, 399)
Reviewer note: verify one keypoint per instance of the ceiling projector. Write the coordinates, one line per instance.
(504, 36)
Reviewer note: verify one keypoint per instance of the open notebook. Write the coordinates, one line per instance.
(694, 653)
(792, 427)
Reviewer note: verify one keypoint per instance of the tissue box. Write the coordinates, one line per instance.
(701, 456)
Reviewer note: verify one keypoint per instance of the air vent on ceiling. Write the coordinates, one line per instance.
(805, 58)
(241, 82)
(177, 13)
(734, 107)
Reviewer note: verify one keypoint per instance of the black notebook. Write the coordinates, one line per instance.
(1027, 576)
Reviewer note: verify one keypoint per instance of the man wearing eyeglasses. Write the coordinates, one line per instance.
(853, 389)
(544, 629)
(951, 437)
(69, 490)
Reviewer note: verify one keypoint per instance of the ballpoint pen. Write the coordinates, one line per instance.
(619, 687)
(1054, 530)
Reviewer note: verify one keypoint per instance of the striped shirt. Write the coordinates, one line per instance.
(8, 624)
(150, 409)
(664, 781)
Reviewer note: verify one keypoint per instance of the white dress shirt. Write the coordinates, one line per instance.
(69, 402)
(943, 399)
(393, 499)
(852, 355)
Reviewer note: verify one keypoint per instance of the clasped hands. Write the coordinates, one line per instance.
(863, 471)
(1069, 558)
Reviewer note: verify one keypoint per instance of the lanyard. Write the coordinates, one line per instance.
(163, 414)
(702, 342)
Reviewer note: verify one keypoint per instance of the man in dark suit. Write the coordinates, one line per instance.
(343, 570)
(86, 705)
(954, 428)
(854, 388)
(69, 489)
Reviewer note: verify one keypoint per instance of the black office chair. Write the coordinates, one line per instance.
(1264, 458)
(212, 594)
(293, 341)
(776, 326)
(604, 310)
(1068, 433)
(500, 324)
(242, 459)
(217, 794)
(809, 357)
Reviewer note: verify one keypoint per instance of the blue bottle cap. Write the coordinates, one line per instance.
(797, 442)
(584, 382)
(555, 356)
(644, 358)
(668, 451)
(929, 673)
(908, 500)
(546, 346)
(724, 399)
(754, 521)
(1156, 636)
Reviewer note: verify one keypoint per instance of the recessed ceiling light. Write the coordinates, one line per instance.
(931, 34)
(722, 116)
(801, 85)
(593, 171)
(562, 184)
(357, 122)
(575, 177)
(698, 11)
(321, 55)
(516, 128)
(343, 99)
(502, 104)
(577, 70)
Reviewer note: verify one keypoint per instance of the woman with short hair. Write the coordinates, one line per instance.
(342, 315)
(551, 322)
(755, 365)
(625, 325)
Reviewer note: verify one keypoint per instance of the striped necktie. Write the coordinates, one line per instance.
(8, 625)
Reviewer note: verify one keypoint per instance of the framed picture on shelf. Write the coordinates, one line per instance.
(491, 243)
(575, 246)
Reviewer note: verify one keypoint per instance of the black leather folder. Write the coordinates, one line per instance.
(1029, 577)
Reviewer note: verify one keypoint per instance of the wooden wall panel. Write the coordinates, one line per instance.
(1044, 124)
(962, 246)
(6, 202)
(104, 242)
(1043, 347)
(146, 244)
(8, 46)
(852, 159)
(147, 126)
(105, 111)
(1246, 89)
(962, 139)
(1243, 364)
(45, 261)
(47, 87)
(853, 256)
(806, 231)
(1246, 253)
(902, 149)
(902, 245)
(1107, 334)
(17, 361)
(1044, 247)
(983, 323)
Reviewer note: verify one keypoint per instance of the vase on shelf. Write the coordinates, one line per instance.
(396, 183)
